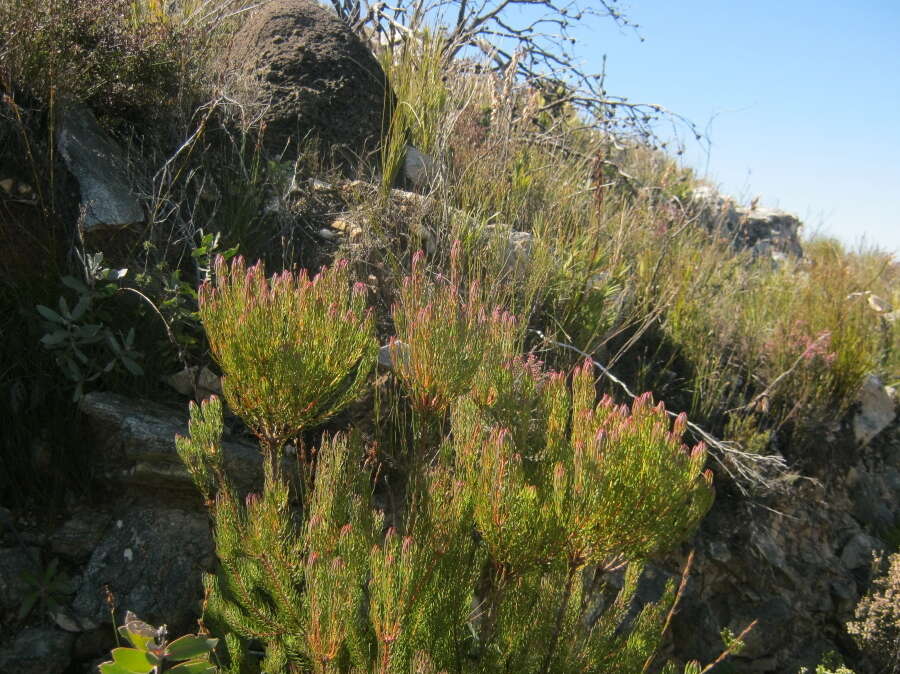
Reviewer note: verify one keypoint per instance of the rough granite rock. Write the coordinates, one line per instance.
(768, 232)
(797, 565)
(151, 559)
(135, 445)
(76, 538)
(99, 165)
(38, 650)
(309, 76)
(13, 563)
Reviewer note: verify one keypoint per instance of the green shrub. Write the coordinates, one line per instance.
(47, 589)
(876, 624)
(445, 336)
(80, 336)
(491, 560)
(293, 350)
(87, 50)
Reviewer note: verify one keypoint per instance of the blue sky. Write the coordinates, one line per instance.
(801, 100)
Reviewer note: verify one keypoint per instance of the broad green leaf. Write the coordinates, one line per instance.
(132, 366)
(75, 284)
(80, 355)
(189, 646)
(113, 343)
(72, 370)
(194, 667)
(84, 302)
(133, 660)
(113, 668)
(91, 332)
(27, 605)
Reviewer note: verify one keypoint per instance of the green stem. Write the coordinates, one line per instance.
(560, 614)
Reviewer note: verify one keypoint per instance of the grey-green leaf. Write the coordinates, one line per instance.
(54, 338)
(49, 314)
(188, 647)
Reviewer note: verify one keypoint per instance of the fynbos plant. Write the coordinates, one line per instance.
(84, 345)
(491, 556)
(293, 350)
(491, 565)
(444, 336)
(605, 483)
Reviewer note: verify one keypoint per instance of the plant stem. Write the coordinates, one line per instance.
(560, 614)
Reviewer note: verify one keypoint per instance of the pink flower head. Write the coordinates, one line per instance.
(818, 346)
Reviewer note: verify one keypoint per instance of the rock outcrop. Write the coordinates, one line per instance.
(151, 560)
(797, 561)
(99, 165)
(309, 77)
(768, 232)
(134, 444)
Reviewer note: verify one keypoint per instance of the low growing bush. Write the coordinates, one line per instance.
(293, 350)
(491, 557)
(876, 624)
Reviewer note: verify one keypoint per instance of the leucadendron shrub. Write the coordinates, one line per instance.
(487, 555)
(446, 334)
(294, 350)
(604, 483)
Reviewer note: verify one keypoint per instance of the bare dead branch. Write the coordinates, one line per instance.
(540, 31)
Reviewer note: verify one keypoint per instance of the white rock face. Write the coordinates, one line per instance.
(768, 232)
(418, 168)
(99, 165)
(877, 409)
(390, 355)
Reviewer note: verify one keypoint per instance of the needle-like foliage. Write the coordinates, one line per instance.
(494, 559)
(294, 350)
(444, 335)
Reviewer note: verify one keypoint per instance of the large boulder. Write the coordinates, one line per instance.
(135, 451)
(151, 560)
(768, 232)
(101, 168)
(309, 77)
